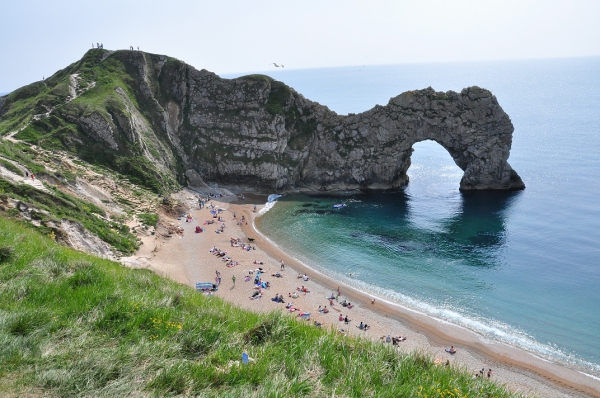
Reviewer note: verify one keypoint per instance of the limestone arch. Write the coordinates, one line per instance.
(471, 126)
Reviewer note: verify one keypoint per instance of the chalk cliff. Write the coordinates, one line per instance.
(129, 108)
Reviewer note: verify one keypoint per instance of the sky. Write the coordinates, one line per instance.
(40, 37)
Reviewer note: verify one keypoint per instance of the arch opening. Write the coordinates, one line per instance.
(432, 169)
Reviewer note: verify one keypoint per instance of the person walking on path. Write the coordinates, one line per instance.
(233, 279)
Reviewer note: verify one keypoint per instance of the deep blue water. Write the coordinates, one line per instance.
(521, 267)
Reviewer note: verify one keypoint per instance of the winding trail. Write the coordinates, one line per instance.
(19, 179)
(74, 91)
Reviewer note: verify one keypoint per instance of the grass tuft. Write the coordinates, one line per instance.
(6, 253)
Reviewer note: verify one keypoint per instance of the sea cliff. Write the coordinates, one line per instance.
(164, 123)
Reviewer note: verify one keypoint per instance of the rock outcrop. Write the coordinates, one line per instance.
(256, 132)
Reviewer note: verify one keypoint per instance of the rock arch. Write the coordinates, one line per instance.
(474, 130)
(372, 150)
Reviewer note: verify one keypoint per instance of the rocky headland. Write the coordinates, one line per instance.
(164, 123)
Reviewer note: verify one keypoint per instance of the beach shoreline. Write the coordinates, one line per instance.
(186, 259)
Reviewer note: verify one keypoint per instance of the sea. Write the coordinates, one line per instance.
(522, 268)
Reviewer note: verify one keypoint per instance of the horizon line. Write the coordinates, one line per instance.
(242, 73)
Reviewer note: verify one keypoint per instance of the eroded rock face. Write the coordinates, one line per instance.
(258, 132)
(255, 132)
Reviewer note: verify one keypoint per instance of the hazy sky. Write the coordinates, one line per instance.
(37, 37)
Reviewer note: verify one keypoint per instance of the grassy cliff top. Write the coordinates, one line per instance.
(75, 325)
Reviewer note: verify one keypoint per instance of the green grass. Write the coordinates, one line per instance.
(74, 325)
(60, 131)
(21, 153)
(60, 205)
(148, 219)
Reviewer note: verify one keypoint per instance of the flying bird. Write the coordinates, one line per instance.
(277, 66)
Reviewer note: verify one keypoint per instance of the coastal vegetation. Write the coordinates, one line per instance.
(75, 325)
(50, 207)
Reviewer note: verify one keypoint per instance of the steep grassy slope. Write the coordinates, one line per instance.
(75, 325)
(95, 94)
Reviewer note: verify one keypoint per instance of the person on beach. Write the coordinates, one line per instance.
(282, 265)
(373, 301)
(233, 279)
(325, 310)
(489, 373)
(451, 350)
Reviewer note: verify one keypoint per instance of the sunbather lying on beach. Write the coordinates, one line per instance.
(277, 298)
(397, 339)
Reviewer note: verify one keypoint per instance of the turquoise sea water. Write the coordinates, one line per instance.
(521, 267)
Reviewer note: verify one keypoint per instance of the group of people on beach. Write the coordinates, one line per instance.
(482, 372)
(259, 285)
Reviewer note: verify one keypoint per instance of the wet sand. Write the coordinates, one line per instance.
(186, 259)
